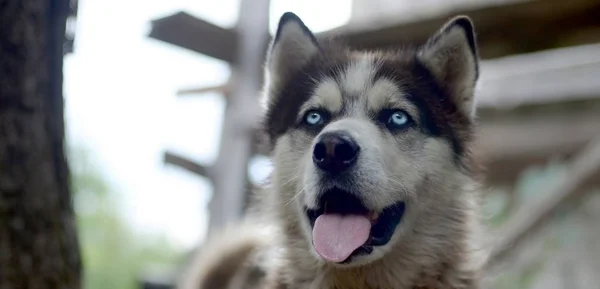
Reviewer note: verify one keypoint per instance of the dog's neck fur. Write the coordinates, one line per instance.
(441, 251)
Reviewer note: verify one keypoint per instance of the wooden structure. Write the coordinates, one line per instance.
(514, 28)
(229, 174)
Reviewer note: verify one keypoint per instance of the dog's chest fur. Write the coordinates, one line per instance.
(420, 262)
(437, 277)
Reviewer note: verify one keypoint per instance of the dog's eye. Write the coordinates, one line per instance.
(398, 119)
(313, 118)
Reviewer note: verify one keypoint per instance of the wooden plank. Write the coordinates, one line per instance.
(187, 31)
(509, 144)
(583, 169)
(206, 172)
(230, 169)
(223, 89)
(540, 78)
(501, 29)
(187, 164)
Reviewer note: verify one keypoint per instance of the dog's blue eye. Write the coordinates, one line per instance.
(313, 118)
(398, 119)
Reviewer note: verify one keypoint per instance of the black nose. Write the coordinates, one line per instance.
(335, 152)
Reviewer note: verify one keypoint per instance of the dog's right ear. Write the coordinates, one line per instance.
(293, 45)
(451, 56)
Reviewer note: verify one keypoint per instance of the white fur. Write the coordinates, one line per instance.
(327, 95)
(358, 75)
(382, 93)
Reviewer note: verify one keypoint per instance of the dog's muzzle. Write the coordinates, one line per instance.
(343, 227)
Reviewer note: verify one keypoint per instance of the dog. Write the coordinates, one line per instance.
(373, 185)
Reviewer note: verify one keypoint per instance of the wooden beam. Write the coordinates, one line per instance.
(222, 89)
(187, 164)
(510, 143)
(547, 104)
(540, 78)
(582, 170)
(199, 169)
(187, 31)
(230, 169)
(502, 29)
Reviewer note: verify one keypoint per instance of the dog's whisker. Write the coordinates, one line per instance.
(290, 180)
(400, 186)
(296, 195)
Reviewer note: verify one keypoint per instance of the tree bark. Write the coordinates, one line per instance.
(38, 241)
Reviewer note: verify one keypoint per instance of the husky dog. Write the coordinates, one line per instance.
(373, 183)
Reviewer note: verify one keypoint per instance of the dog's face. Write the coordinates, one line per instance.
(359, 136)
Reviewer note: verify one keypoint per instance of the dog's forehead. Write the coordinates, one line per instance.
(362, 81)
(358, 75)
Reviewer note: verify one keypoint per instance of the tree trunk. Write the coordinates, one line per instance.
(38, 241)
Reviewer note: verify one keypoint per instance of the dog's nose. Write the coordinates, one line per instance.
(335, 152)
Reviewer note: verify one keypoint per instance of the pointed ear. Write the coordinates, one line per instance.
(451, 56)
(292, 47)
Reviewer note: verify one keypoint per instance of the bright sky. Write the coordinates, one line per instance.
(120, 103)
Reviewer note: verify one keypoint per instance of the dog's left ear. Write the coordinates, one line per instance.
(451, 56)
(292, 47)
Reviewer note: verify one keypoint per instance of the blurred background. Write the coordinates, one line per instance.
(161, 111)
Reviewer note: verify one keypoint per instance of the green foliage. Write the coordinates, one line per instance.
(113, 253)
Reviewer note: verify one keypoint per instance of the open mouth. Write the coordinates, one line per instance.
(343, 227)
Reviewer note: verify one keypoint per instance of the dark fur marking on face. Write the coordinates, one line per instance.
(445, 104)
(285, 105)
(439, 116)
(400, 74)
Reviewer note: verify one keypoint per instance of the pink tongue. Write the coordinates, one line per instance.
(335, 237)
